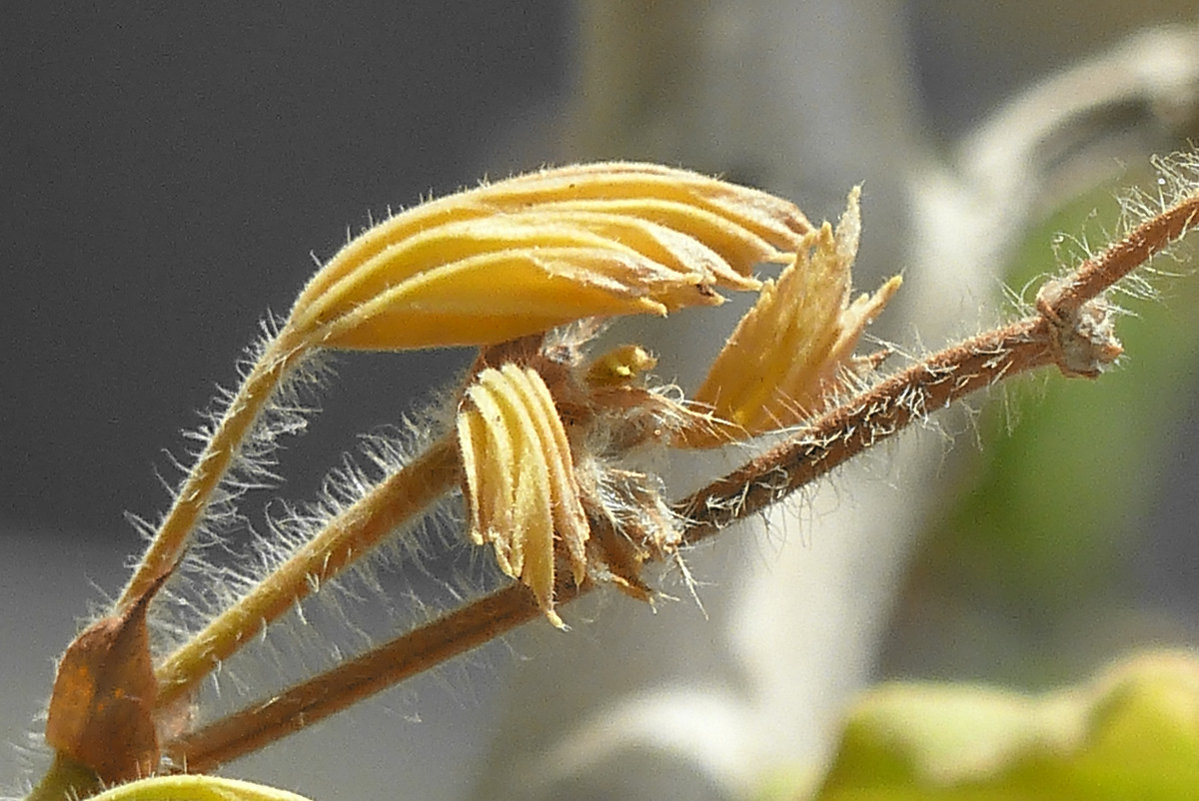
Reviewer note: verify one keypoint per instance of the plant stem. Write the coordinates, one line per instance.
(850, 428)
(832, 439)
(345, 539)
(303, 704)
(1120, 258)
(66, 779)
(211, 466)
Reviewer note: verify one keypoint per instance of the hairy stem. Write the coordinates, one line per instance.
(210, 468)
(834, 438)
(344, 540)
(1098, 273)
(299, 706)
(850, 428)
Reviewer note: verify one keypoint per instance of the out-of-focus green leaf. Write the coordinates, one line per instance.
(1133, 733)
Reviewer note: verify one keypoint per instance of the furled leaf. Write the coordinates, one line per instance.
(785, 354)
(520, 483)
(523, 255)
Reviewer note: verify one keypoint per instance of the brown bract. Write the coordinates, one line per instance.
(102, 711)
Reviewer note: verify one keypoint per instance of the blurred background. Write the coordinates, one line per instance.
(170, 175)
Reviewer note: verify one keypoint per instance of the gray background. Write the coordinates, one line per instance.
(165, 176)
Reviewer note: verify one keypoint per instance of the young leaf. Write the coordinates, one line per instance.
(530, 253)
(785, 354)
(520, 483)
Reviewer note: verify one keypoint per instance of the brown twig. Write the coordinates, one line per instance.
(1098, 273)
(852, 427)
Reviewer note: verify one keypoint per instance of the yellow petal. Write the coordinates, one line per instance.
(473, 446)
(680, 245)
(863, 311)
(493, 466)
(619, 366)
(769, 217)
(461, 304)
(739, 247)
(533, 252)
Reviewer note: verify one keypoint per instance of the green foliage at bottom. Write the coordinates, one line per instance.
(1132, 733)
